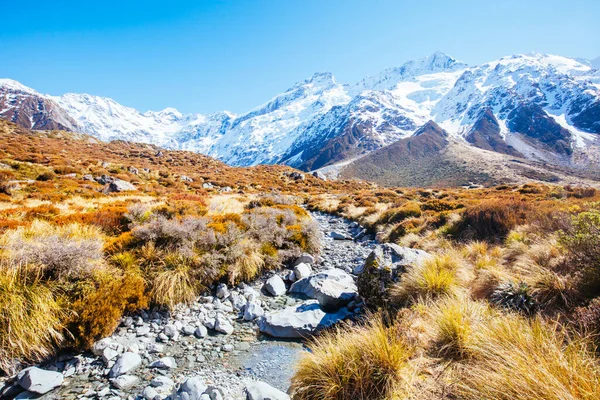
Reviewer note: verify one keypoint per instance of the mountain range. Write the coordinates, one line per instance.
(540, 108)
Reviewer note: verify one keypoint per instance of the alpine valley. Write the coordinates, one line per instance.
(531, 116)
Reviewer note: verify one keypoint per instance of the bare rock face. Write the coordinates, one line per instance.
(26, 108)
(383, 268)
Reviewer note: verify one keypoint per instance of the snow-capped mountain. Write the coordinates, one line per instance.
(536, 106)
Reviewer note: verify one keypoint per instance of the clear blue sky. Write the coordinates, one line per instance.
(204, 56)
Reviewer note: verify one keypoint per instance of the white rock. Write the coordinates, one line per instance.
(253, 311)
(223, 325)
(170, 330)
(188, 330)
(149, 393)
(164, 363)
(111, 352)
(125, 382)
(190, 389)
(201, 332)
(39, 380)
(275, 286)
(302, 270)
(100, 345)
(339, 236)
(299, 321)
(156, 348)
(264, 391)
(333, 288)
(126, 363)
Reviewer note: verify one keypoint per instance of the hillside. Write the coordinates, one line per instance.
(432, 158)
(157, 271)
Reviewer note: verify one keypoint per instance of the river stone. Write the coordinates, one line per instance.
(190, 389)
(39, 380)
(125, 382)
(201, 332)
(164, 363)
(253, 311)
(333, 288)
(100, 345)
(126, 363)
(302, 270)
(299, 321)
(384, 267)
(275, 286)
(149, 393)
(339, 236)
(264, 391)
(223, 325)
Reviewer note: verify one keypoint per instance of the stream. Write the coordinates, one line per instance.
(225, 361)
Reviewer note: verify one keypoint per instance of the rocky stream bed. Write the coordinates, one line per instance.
(238, 343)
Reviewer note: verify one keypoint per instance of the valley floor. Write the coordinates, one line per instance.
(225, 361)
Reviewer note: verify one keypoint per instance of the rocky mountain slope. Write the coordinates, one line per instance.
(540, 107)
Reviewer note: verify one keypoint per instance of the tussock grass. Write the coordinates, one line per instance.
(362, 362)
(175, 284)
(455, 320)
(249, 265)
(519, 359)
(30, 316)
(431, 279)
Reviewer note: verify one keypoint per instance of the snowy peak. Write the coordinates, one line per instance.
(12, 85)
(525, 104)
(438, 62)
(595, 63)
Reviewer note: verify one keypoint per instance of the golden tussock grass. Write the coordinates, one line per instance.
(434, 277)
(249, 265)
(364, 362)
(30, 316)
(518, 359)
(175, 284)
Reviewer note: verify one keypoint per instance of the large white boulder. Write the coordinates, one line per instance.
(299, 321)
(333, 288)
(39, 380)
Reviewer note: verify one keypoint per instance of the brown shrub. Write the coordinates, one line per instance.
(492, 220)
(98, 314)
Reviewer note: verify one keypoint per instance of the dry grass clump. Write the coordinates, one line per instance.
(176, 282)
(434, 277)
(454, 320)
(61, 251)
(362, 362)
(518, 359)
(31, 320)
(492, 220)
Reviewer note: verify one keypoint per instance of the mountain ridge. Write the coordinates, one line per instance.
(546, 107)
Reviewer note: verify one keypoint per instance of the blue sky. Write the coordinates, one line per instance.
(204, 56)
